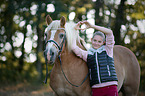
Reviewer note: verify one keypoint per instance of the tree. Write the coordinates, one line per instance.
(99, 5)
(120, 17)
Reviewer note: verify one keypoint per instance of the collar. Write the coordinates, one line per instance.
(99, 50)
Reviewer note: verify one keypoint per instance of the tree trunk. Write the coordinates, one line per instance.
(97, 5)
(21, 59)
(119, 22)
(39, 51)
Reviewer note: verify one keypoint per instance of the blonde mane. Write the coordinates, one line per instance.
(71, 34)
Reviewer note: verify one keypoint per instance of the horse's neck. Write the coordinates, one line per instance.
(68, 57)
(65, 60)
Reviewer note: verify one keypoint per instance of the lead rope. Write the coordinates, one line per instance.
(66, 77)
(45, 81)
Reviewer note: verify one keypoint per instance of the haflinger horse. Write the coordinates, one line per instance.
(69, 75)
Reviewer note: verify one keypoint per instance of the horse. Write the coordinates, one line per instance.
(69, 75)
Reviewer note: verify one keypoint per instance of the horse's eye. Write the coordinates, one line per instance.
(61, 36)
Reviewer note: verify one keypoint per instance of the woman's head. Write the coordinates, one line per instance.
(98, 39)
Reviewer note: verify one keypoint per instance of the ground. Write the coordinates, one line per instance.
(30, 89)
(25, 89)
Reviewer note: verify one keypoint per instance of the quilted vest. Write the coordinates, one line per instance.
(101, 70)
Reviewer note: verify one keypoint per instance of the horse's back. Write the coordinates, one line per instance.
(128, 70)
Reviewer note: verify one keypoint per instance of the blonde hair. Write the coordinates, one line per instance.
(71, 34)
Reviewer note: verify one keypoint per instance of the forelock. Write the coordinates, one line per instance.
(54, 25)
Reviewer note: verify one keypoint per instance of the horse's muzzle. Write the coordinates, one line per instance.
(49, 56)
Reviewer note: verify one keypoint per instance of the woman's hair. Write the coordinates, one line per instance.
(100, 34)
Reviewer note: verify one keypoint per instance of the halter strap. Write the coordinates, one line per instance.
(54, 43)
(59, 47)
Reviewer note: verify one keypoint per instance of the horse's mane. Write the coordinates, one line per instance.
(72, 35)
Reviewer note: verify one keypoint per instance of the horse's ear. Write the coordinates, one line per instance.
(62, 21)
(48, 19)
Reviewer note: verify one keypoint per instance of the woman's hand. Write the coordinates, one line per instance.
(88, 25)
(77, 27)
(99, 28)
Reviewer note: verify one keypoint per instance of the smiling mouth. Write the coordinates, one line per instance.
(96, 46)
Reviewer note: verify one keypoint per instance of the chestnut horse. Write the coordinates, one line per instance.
(69, 75)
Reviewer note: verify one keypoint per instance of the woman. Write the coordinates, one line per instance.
(99, 58)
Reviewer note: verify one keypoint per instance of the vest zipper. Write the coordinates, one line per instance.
(108, 70)
(90, 75)
(98, 69)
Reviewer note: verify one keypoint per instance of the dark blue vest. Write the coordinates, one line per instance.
(103, 71)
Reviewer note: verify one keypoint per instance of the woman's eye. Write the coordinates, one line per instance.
(94, 40)
(100, 41)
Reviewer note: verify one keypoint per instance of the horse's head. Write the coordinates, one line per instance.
(55, 36)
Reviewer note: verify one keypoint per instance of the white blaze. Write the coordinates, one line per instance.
(50, 44)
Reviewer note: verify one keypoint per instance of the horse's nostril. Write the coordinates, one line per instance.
(52, 53)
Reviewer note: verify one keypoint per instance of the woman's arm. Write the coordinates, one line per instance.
(99, 28)
(77, 50)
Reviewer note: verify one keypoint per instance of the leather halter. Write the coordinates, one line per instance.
(59, 47)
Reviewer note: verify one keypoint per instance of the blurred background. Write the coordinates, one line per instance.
(22, 25)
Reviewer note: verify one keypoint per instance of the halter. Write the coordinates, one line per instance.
(60, 50)
(59, 47)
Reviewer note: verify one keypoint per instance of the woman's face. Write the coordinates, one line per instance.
(97, 41)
